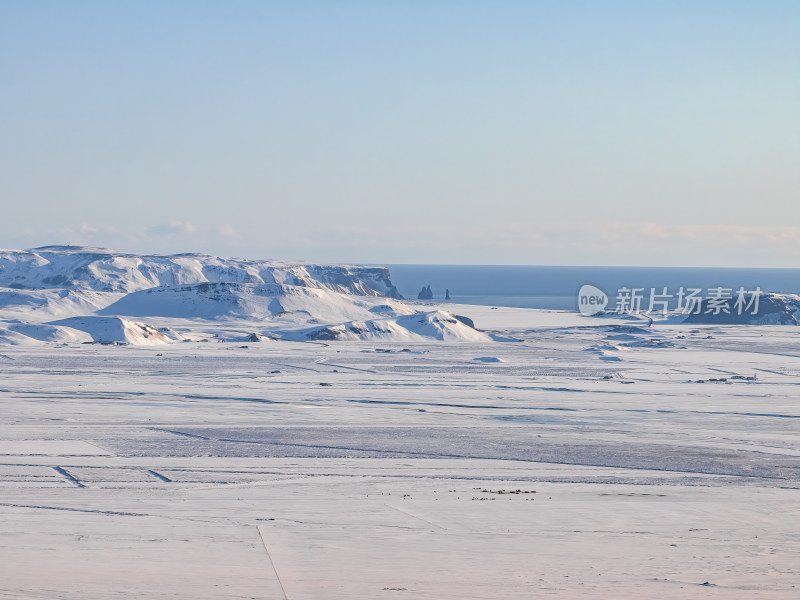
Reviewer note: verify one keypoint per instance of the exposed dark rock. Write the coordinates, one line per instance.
(325, 334)
(425, 293)
(465, 320)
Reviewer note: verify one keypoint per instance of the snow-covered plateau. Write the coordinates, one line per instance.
(200, 428)
(65, 293)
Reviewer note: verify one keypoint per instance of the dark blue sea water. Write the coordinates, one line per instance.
(557, 287)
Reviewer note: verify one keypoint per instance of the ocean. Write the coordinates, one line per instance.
(556, 288)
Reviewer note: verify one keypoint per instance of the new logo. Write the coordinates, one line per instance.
(591, 300)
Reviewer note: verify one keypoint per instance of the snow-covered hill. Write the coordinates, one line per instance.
(252, 300)
(773, 309)
(116, 330)
(33, 334)
(435, 325)
(48, 304)
(792, 302)
(73, 294)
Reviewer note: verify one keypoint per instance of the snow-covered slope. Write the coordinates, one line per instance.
(773, 309)
(49, 304)
(435, 325)
(116, 330)
(33, 334)
(254, 301)
(792, 302)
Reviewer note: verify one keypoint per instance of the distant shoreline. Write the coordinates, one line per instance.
(555, 288)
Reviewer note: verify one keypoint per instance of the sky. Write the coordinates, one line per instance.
(409, 131)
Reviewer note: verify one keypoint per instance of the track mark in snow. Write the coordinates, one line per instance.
(99, 448)
(189, 435)
(744, 414)
(294, 367)
(68, 476)
(81, 510)
(271, 562)
(774, 372)
(321, 361)
(263, 400)
(410, 514)
(451, 405)
(159, 476)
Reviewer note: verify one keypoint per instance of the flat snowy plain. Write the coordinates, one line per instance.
(583, 461)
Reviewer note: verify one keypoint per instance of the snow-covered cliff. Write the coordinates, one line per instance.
(68, 294)
(100, 270)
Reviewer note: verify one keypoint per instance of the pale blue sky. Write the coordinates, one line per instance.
(595, 132)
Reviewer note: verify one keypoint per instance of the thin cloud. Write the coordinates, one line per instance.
(227, 230)
(171, 228)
